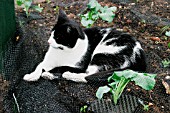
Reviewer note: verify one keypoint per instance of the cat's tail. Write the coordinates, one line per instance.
(101, 78)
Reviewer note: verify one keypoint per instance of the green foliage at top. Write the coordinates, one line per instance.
(27, 4)
(121, 79)
(97, 11)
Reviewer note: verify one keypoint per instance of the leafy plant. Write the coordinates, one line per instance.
(95, 12)
(165, 30)
(83, 109)
(121, 79)
(166, 63)
(145, 106)
(27, 4)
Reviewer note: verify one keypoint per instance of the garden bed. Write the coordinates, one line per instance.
(143, 20)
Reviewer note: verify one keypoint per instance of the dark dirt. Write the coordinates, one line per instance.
(143, 20)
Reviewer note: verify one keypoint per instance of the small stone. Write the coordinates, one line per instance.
(166, 84)
(128, 89)
(150, 104)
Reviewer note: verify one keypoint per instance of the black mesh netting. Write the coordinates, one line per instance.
(42, 96)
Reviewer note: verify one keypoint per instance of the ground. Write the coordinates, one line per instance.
(144, 20)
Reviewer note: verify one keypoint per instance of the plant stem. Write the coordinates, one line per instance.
(122, 84)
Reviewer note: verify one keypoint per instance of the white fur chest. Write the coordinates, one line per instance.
(67, 57)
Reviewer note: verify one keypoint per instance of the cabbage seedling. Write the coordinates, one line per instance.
(121, 79)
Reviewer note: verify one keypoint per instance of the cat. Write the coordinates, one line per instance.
(80, 53)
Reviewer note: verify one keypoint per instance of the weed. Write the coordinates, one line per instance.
(95, 12)
(27, 4)
(145, 106)
(166, 63)
(83, 109)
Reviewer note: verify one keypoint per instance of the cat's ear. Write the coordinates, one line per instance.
(61, 17)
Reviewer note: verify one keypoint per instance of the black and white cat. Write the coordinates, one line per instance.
(80, 53)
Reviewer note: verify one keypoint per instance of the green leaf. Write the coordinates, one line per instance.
(86, 23)
(37, 8)
(28, 3)
(107, 16)
(128, 74)
(146, 107)
(93, 4)
(167, 33)
(102, 90)
(114, 9)
(116, 76)
(166, 63)
(146, 81)
(113, 84)
(168, 44)
(19, 2)
(107, 13)
(83, 109)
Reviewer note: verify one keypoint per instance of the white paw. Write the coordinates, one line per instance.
(31, 77)
(77, 77)
(48, 75)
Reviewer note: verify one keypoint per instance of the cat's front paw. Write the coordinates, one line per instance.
(76, 77)
(48, 75)
(31, 77)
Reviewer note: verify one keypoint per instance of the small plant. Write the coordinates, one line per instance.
(27, 4)
(145, 106)
(97, 11)
(121, 79)
(83, 109)
(166, 63)
(165, 30)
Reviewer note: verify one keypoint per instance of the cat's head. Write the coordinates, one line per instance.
(65, 33)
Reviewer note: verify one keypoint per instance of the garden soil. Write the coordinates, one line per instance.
(143, 19)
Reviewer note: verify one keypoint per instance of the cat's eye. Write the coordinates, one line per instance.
(68, 29)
